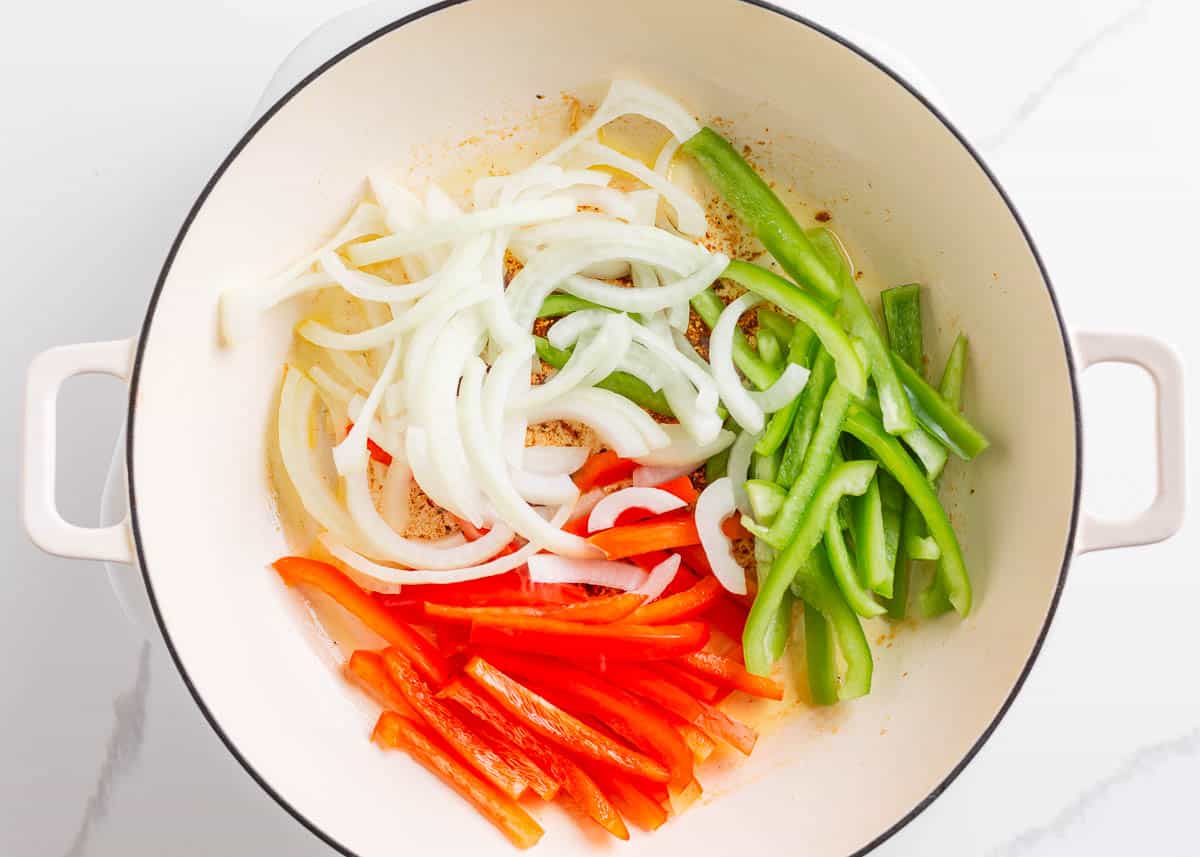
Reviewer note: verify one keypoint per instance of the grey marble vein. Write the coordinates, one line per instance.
(1035, 98)
(1141, 763)
(124, 745)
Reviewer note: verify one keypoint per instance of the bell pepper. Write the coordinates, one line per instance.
(393, 731)
(902, 317)
(702, 689)
(603, 468)
(616, 641)
(557, 305)
(682, 488)
(424, 655)
(769, 347)
(820, 656)
(634, 804)
(939, 417)
(849, 479)
(766, 499)
(815, 585)
(553, 723)
(758, 371)
(581, 788)
(716, 467)
(727, 671)
(621, 383)
(473, 749)
(856, 594)
(672, 530)
(367, 670)
(682, 606)
(870, 541)
(761, 211)
(808, 410)
(607, 608)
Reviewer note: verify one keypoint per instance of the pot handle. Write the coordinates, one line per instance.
(1164, 516)
(45, 525)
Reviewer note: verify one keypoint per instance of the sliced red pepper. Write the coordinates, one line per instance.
(688, 604)
(452, 730)
(682, 488)
(672, 530)
(577, 526)
(510, 589)
(729, 672)
(634, 804)
(652, 733)
(574, 640)
(397, 732)
(367, 670)
(647, 561)
(377, 452)
(733, 529)
(700, 688)
(710, 719)
(578, 784)
(603, 468)
(728, 616)
(424, 655)
(700, 745)
(599, 610)
(553, 723)
(695, 558)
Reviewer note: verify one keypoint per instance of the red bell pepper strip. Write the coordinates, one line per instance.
(682, 488)
(425, 657)
(702, 689)
(634, 804)
(730, 672)
(553, 723)
(367, 670)
(377, 452)
(672, 530)
(613, 706)
(733, 529)
(710, 719)
(574, 640)
(603, 468)
(452, 730)
(510, 589)
(606, 608)
(684, 605)
(573, 779)
(396, 732)
(695, 558)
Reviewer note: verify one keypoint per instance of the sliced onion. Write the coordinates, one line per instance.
(588, 363)
(660, 578)
(688, 213)
(738, 469)
(658, 475)
(737, 398)
(587, 502)
(701, 423)
(354, 367)
(648, 300)
(391, 442)
(369, 287)
(330, 387)
(714, 505)
(553, 460)
(384, 578)
(457, 228)
(394, 499)
(682, 449)
(352, 454)
(784, 391)
(662, 163)
(653, 500)
(547, 568)
(544, 489)
(620, 424)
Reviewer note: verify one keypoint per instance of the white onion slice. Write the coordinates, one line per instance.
(620, 424)
(714, 505)
(553, 460)
(389, 440)
(369, 287)
(653, 500)
(682, 449)
(541, 489)
(458, 228)
(648, 300)
(393, 502)
(736, 397)
(660, 578)
(688, 213)
(784, 391)
(547, 568)
(738, 469)
(658, 475)
(352, 454)
(662, 163)
(330, 387)
(587, 502)
(588, 363)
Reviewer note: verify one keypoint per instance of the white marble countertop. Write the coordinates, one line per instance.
(116, 113)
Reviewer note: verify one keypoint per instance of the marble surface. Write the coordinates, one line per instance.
(116, 113)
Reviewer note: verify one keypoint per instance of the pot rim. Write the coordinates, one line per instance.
(431, 9)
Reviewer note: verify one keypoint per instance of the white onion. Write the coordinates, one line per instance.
(784, 391)
(648, 300)
(352, 453)
(662, 163)
(391, 442)
(354, 367)
(660, 578)
(547, 568)
(682, 449)
(658, 475)
(553, 460)
(587, 502)
(369, 287)
(737, 398)
(393, 502)
(620, 424)
(738, 469)
(653, 500)
(330, 387)
(589, 362)
(713, 506)
(543, 489)
(688, 213)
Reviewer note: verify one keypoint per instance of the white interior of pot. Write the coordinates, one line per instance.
(899, 185)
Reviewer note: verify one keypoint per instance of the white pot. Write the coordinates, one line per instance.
(910, 190)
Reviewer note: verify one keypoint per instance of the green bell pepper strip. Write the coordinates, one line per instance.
(897, 605)
(939, 417)
(817, 588)
(927, 448)
(902, 317)
(850, 478)
(894, 502)
(933, 601)
(854, 313)
(952, 570)
(716, 466)
(761, 374)
(846, 574)
(775, 289)
(781, 627)
(820, 657)
(621, 383)
(916, 544)
(870, 542)
(776, 322)
(558, 305)
(779, 425)
(769, 347)
(817, 460)
(808, 409)
(766, 498)
(765, 466)
(762, 212)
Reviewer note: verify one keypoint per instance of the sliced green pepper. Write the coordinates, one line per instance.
(716, 466)
(845, 572)
(621, 383)
(870, 541)
(816, 587)
(781, 627)
(763, 213)
(952, 570)
(939, 417)
(766, 498)
(761, 374)
(902, 316)
(808, 409)
(850, 478)
(780, 423)
(765, 466)
(777, 323)
(856, 315)
(820, 657)
(775, 289)
(558, 305)
(769, 347)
